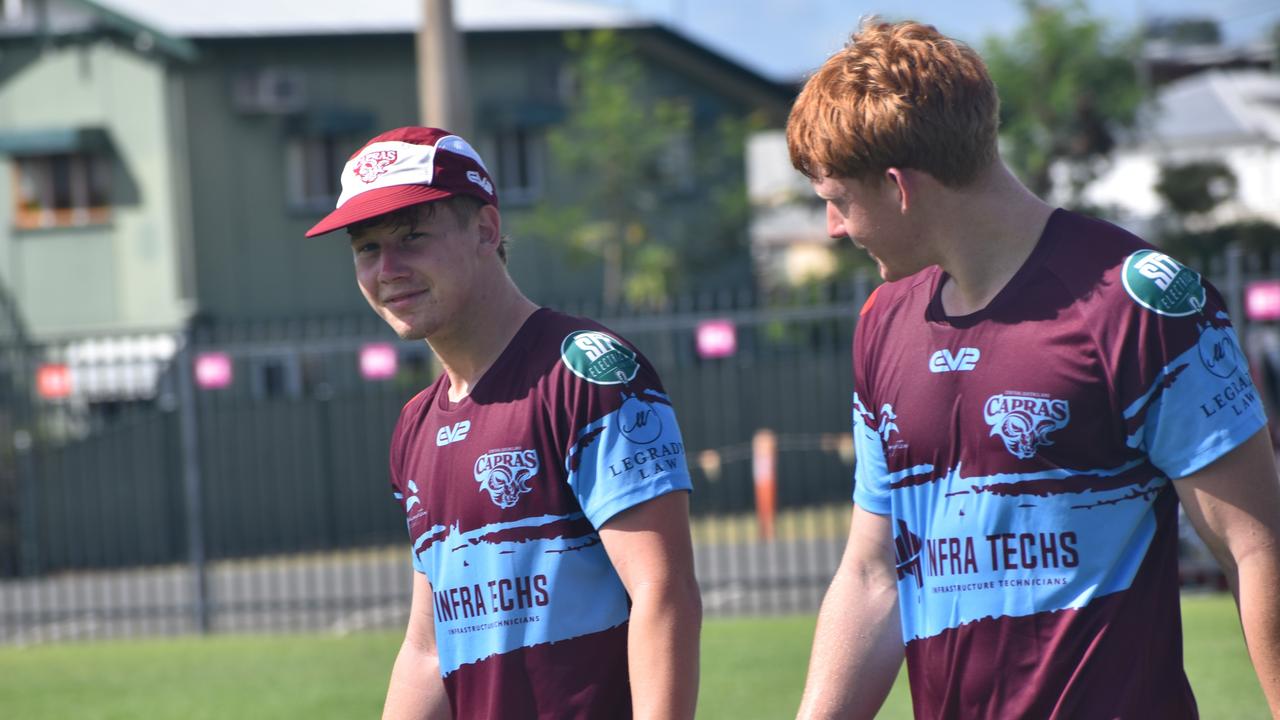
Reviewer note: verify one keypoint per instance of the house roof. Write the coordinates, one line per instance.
(1219, 106)
(275, 18)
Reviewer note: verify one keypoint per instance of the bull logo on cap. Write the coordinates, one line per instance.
(373, 164)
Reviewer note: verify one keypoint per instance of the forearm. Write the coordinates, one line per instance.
(416, 691)
(662, 650)
(1256, 580)
(857, 648)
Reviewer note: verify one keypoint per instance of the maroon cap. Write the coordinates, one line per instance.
(404, 167)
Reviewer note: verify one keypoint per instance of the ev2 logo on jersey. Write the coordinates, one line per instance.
(966, 358)
(451, 434)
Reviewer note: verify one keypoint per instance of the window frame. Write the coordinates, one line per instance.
(84, 201)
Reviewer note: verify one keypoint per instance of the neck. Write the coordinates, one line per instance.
(488, 324)
(986, 232)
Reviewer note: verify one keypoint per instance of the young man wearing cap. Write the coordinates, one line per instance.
(543, 475)
(1035, 392)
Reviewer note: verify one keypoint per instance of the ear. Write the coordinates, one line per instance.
(902, 184)
(489, 226)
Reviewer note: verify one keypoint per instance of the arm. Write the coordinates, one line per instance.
(650, 548)
(1234, 504)
(416, 691)
(857, 647)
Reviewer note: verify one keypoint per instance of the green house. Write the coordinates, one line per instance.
(160, 160)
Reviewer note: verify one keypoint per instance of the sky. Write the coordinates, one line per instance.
(784, 39)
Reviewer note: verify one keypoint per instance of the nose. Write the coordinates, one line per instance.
(391, 265)
(835, 223)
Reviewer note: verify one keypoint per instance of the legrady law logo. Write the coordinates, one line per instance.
(373, 164)
(598, 358)
(505, 474)
(1218, 351)
(639, 421)
(1162, 285)
(1024, 422)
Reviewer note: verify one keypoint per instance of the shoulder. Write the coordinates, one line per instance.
(588, 351)
(414, 413)
(892, 299)
(1104, 265)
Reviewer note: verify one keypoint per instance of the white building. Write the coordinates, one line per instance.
(1229, 116)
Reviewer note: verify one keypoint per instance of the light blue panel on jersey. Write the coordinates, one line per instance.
(493, 595)
(988, 555)
(634, 454)
(1200, 406)
(870, 471)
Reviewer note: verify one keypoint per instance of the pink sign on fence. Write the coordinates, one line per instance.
(213, 370)
(717, 338)
(378, 361)
(1262, 300)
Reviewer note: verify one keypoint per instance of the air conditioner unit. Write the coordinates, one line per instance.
(270, 91)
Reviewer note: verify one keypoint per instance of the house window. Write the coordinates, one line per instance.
(61, 190)
(517, 158)
(675, 162)
(315, 165)
(11, 11)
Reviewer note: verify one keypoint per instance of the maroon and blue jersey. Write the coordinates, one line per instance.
(505, 491)
(1026, 455)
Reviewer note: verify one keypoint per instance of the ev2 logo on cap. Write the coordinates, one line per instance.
(452, 434)
(965, 359)
(480, 180)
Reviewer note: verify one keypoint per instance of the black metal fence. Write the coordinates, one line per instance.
(235, 477)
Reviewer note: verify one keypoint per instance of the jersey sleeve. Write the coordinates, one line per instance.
(870, 472)
(406, 494)
(626, 446)
(1182, 377)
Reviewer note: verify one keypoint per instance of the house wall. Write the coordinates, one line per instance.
(119, 274)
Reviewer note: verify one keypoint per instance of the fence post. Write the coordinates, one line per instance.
(1235, 289)
(764, 471)
(193, 503)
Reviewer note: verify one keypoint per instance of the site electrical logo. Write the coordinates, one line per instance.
(599, 358)
(1162, 285)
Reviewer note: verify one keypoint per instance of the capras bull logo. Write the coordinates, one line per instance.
(373, 164)
(1024, 422)
(505, 474)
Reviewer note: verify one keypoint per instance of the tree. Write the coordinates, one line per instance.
(1195, 188)
(622, 153)
(1065, 87)
(1191, 191)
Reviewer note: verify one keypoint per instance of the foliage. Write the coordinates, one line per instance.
(622, 155)
(1195, 188)
(1255, 238)
(1065, 86)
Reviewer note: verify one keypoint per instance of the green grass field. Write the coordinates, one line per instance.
(752, 668)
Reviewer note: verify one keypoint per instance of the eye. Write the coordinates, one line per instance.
(364, 248)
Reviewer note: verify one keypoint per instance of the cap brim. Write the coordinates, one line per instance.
(373, 203)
